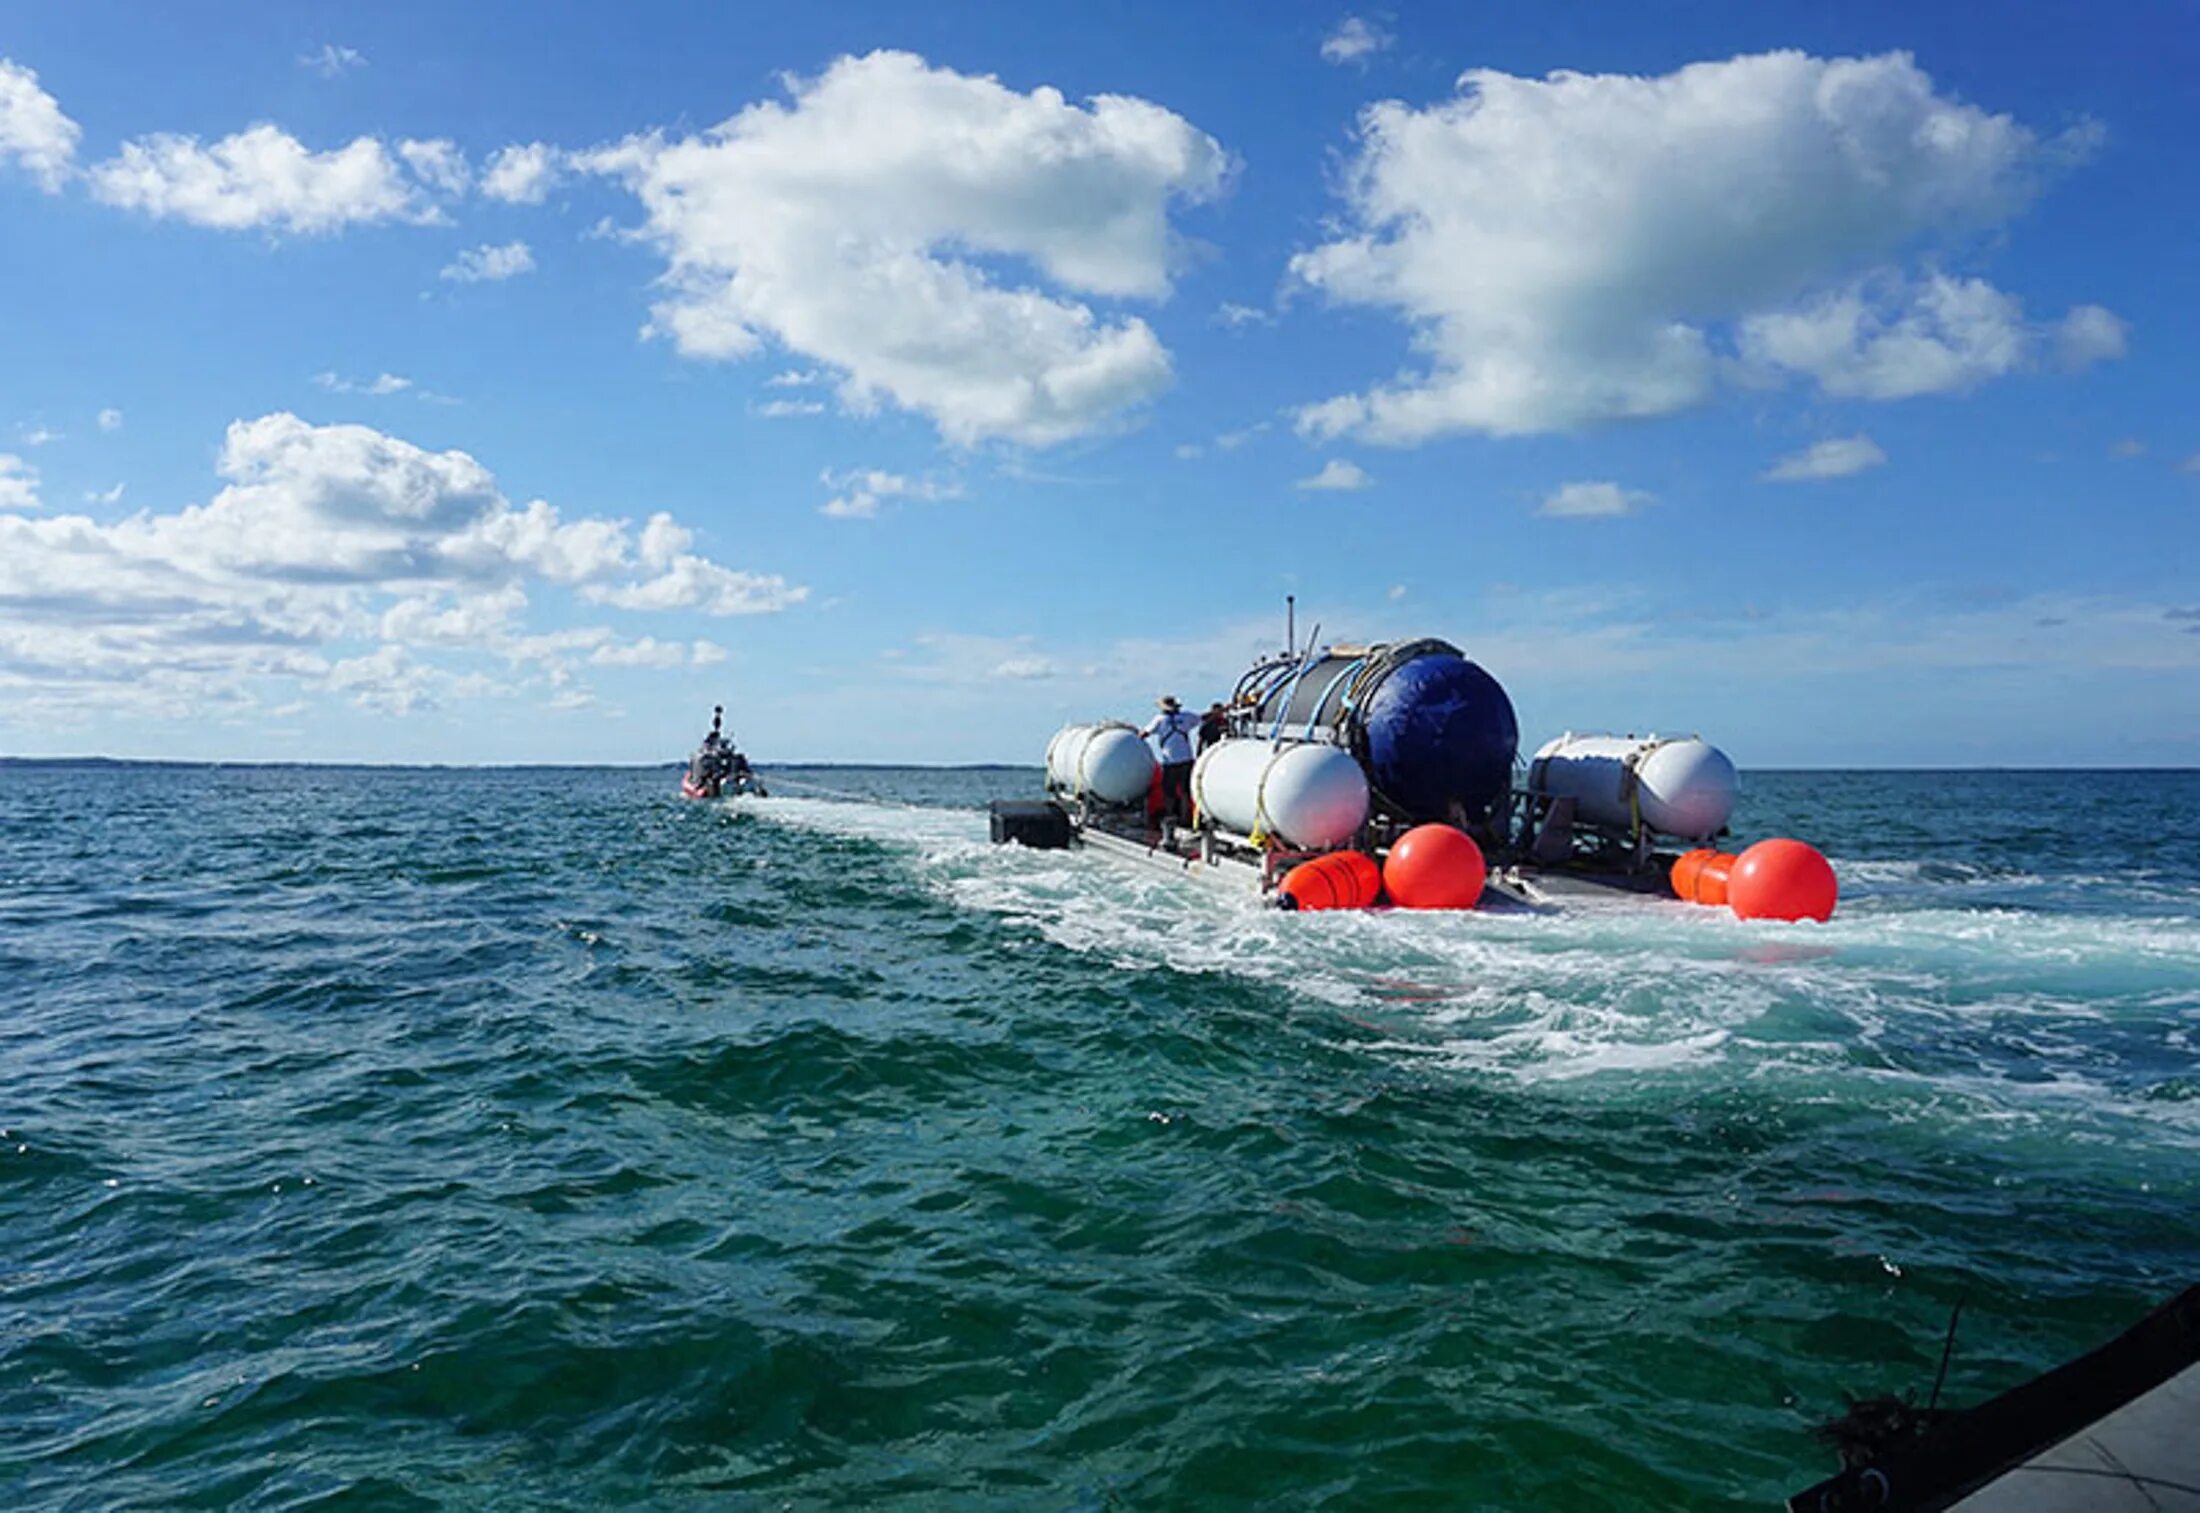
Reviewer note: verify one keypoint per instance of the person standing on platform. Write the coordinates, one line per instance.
(1171, 732)
(1214, 725)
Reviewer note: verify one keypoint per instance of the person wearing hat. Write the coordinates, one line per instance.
(1171, 733)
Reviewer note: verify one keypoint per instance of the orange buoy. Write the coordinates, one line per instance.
(1435, 867)
(1340, 880)
(1783, 879)
(1700, 877)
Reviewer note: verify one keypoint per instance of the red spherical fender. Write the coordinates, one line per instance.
(1435, 867)
(1783, 879)
(1340, 880)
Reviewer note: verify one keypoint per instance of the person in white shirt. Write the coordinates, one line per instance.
(1171, 732)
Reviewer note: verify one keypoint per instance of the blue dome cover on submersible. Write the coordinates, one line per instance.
(1440, 733)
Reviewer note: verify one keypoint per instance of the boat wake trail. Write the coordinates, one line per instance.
(1924, 1004)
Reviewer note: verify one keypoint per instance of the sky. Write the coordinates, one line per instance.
(426, 383)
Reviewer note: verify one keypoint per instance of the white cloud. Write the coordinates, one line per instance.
(787, 409)
(34, 134)
(1397, 593)
(795, 378)
(2090, 334)
(104, 496)
(1837, 458)
(1187, 450)
(663, 541)
(1235, 315)
(648, 651)
(2128, 448)
(335, 557)
(1337, 475)
(859, 491)
(1589, 501)
(1565, 250)
(523, 175)
(261, 177)
(438, 164)
(847, 224)
(381, 384)
(2190, 464)
(698, 583)
(1354, 41)
(705, 654)
(487, 264)
(1945, 336)
(110, 420)
(331, 60)
(18, 483)
(38, 436)
(1025, 668)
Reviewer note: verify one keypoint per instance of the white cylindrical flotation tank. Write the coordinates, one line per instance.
(1306, 794)
(1681, 787)
(1107, 763)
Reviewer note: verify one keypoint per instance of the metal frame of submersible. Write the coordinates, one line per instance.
(1541, 849)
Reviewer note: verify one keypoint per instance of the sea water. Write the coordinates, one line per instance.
(503, 1138)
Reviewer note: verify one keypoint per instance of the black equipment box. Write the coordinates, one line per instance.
(1038, 823)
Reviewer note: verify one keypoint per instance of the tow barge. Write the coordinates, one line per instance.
(1353, 774)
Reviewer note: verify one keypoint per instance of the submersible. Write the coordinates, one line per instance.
(1347, 775)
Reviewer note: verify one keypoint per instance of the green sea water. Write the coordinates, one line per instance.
(532, 1138)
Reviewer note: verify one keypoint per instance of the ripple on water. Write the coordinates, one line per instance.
(537, 1139)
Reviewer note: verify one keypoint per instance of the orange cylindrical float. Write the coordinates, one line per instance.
(1340, 880)
(1435, 867)
(1700, 876)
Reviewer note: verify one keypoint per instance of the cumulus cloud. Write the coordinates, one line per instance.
(1838, 458)
(1593, 501)
(1236, 316)
(1339, 476)
(1354, 41)
(523, 175)
(1944, 336)
(438, 164)
(340, 558)
(698, 583)
(265, 177)
(1584, 248)
(34, 134)
(487, 264)
(18, 483)
(859, 223)
(786, 409)
(2090, 334)
(859, 491)
(110, 419)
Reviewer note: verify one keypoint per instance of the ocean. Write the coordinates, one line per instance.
(503, 1138)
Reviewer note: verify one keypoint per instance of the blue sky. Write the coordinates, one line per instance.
(409, 383)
